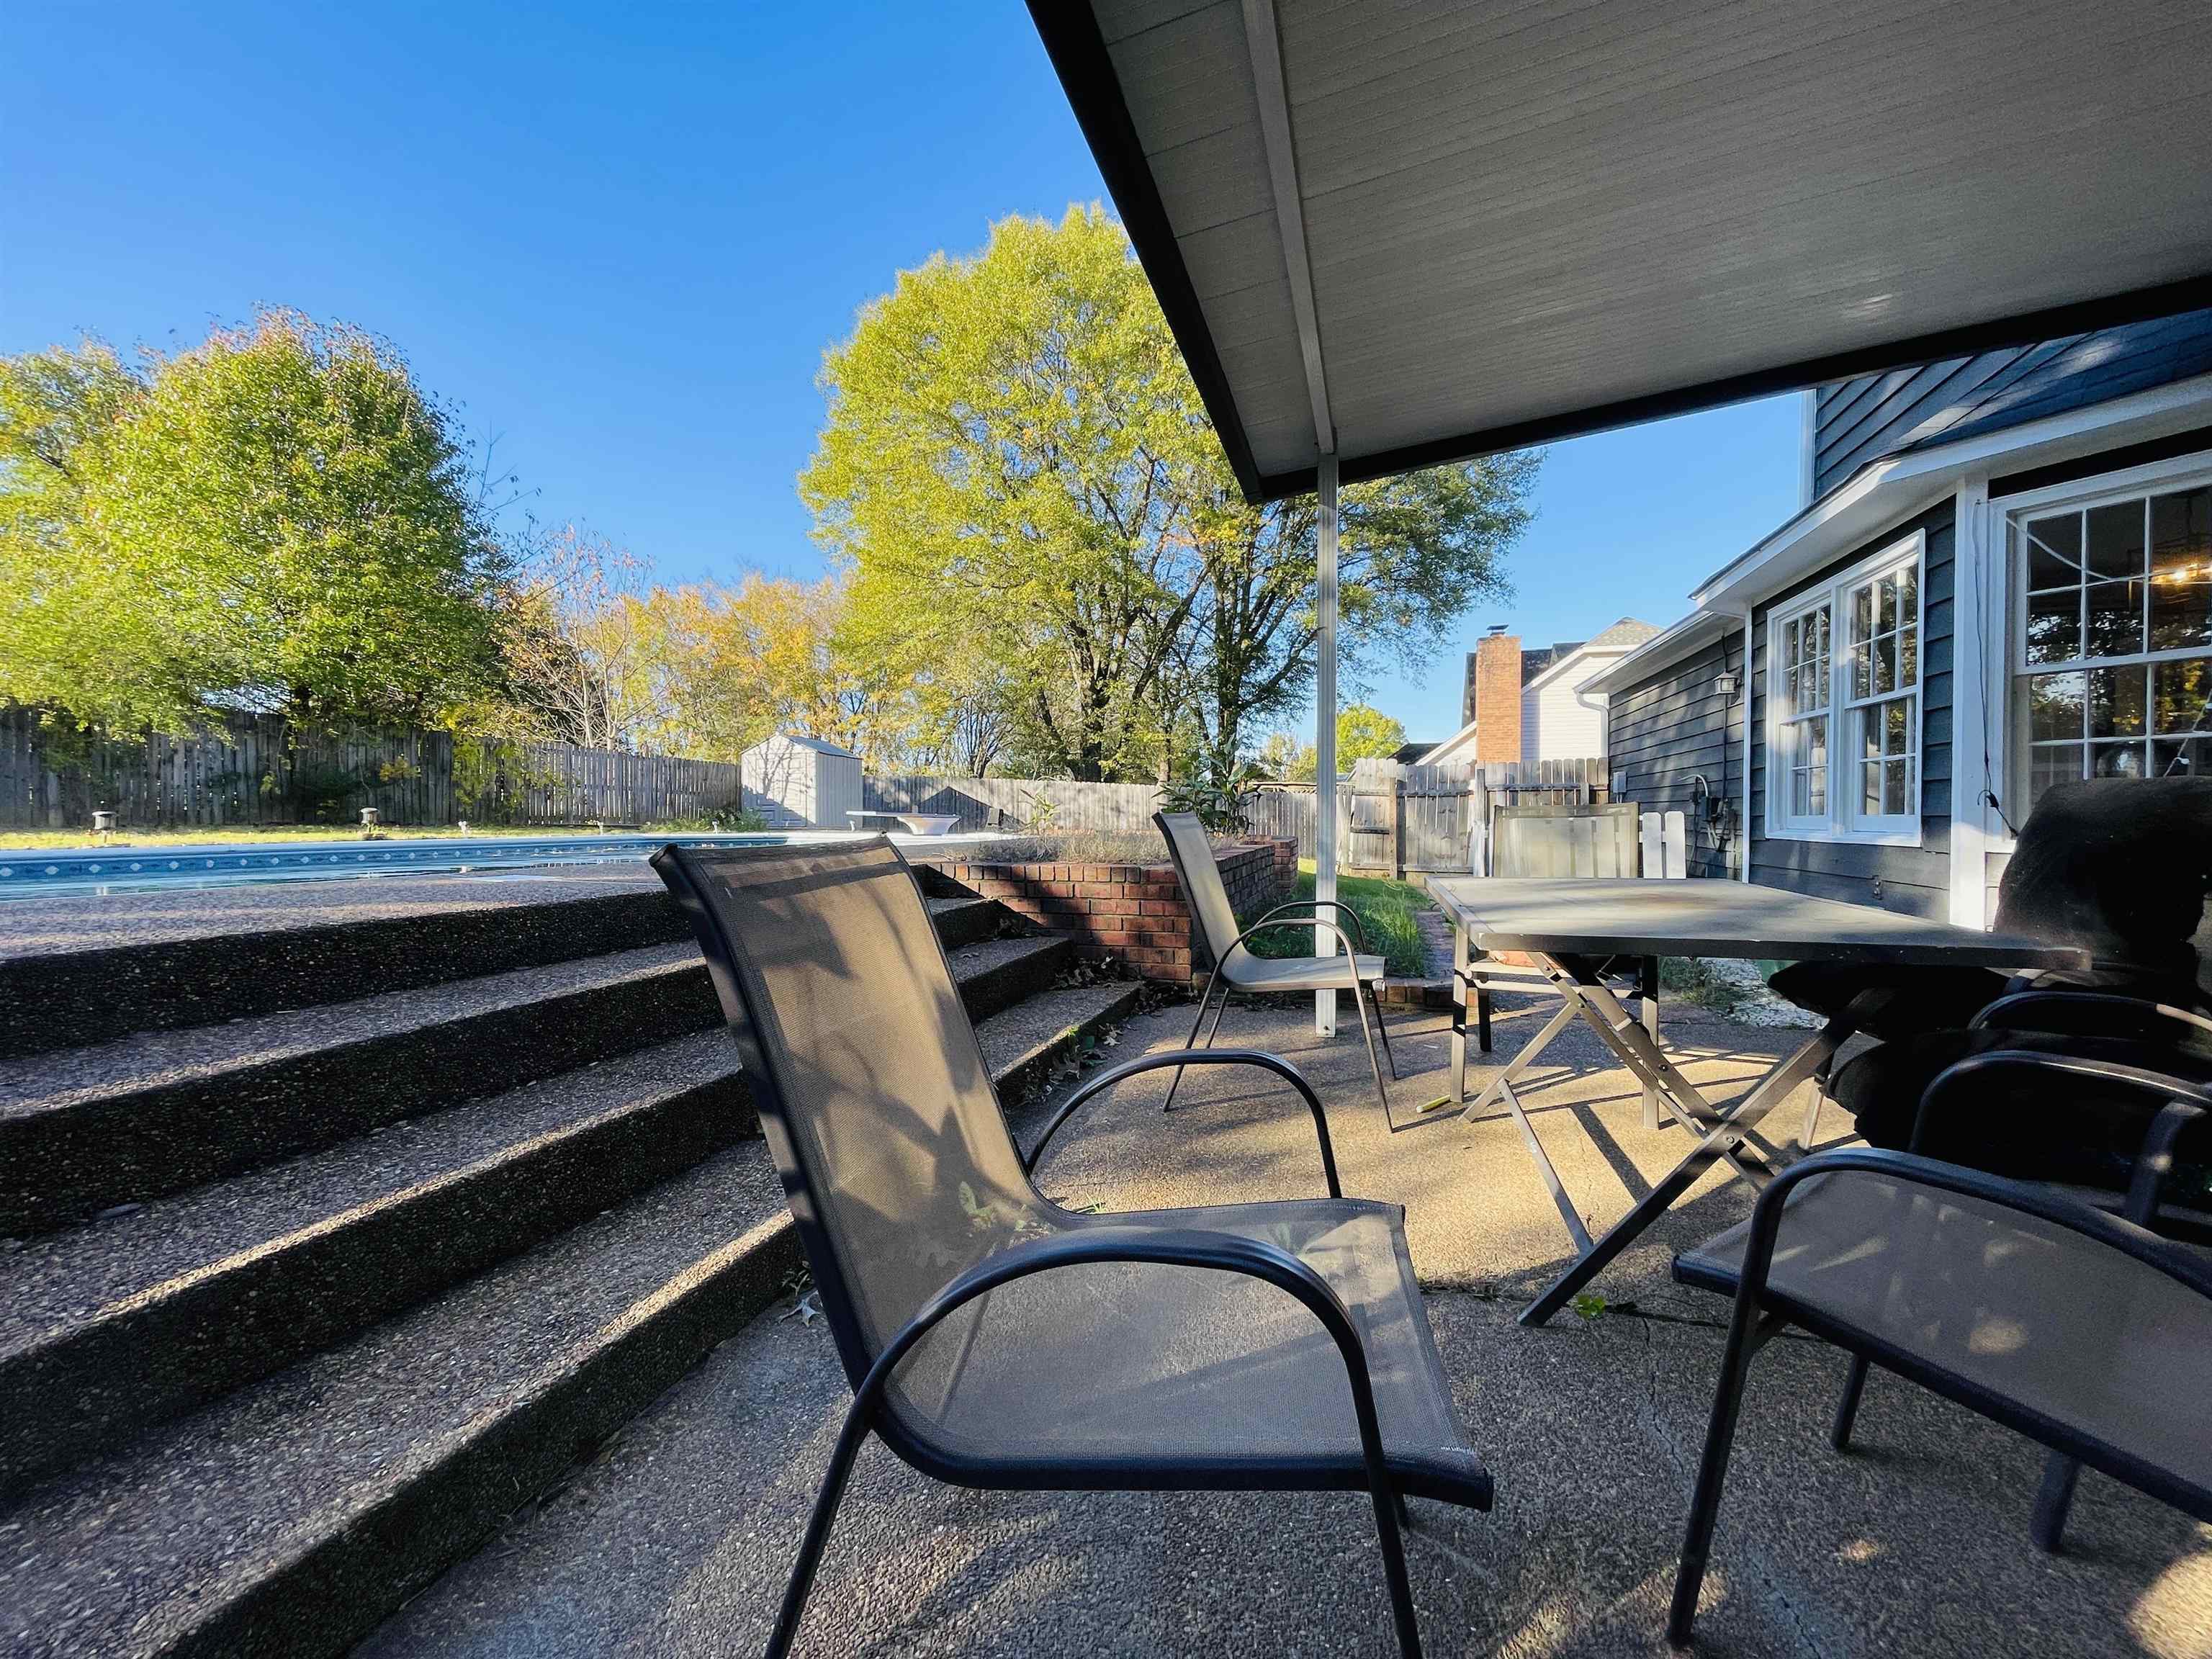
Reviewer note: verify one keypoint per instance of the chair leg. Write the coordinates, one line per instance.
(2052, 1501)
(817, 1531)
(1389, 1506)
(1204, 997)
(1374, 1060)
(1382, 1027)
(1847, 1408)
(1712, 1471)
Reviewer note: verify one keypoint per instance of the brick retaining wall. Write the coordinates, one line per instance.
(1133, 911)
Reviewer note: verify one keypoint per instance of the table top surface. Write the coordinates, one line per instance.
(1714, 918)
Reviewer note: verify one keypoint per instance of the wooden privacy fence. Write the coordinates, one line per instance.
(255, 769)
(1015, 805)
(1396, 820)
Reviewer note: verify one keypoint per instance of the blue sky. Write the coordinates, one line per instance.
(620, 236)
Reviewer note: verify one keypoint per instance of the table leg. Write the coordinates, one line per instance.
(1459, 1010)
(1648, 992)
(1531, 1052)
(1726, 1134)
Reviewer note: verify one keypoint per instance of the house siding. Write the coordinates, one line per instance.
(1665, 731)
(1859, 421)
(1558, 720)
(1913, 880)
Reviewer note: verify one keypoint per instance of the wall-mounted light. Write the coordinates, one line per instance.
(1724, 684)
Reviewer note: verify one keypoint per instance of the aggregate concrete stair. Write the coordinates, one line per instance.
(368, 1273)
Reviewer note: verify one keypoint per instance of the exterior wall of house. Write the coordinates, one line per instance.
(1914, 878)
(1560, 720)
(1860, 420)
(1668, 731)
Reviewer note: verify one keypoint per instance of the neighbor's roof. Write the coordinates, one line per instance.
(1435, 231)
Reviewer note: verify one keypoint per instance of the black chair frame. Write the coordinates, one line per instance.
(1760, 1313)
(1139, 1243)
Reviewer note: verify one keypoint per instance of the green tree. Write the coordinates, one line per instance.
(278, 519)
(1017, 466)
(1362, 733)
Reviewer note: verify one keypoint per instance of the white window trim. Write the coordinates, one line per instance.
(1900, 830)
(2008, 754)
(1780, 764)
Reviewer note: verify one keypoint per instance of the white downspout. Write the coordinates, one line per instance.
(1743, 827)
(1325, 723)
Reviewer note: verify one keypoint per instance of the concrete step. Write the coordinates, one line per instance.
(160, 1112)
(108, 1327)
(1026, 1042)
(163, 1111)
(291, 1516)
(77, 972)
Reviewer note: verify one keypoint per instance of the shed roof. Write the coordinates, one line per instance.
(1419, 233)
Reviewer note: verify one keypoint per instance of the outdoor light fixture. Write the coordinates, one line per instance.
(1725, 684)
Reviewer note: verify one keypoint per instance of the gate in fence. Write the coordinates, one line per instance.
(1396, 819)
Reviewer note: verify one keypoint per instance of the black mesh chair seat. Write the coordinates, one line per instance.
(995, 1338)
(2006, 1302)
(1075, 1377)
(2077, 1328)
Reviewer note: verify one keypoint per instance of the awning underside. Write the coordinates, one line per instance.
(1528, 219)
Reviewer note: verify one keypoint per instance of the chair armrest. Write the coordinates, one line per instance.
(1163, 1247)
(1314, 922)
(1359, 927)
(2159, 1087)
(2154, 1162)
(2091, 1013)
(1181, 1057)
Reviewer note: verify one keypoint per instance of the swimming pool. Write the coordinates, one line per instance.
(123, 868)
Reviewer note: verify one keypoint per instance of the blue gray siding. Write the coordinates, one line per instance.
(1674, 728)
(1859, 421)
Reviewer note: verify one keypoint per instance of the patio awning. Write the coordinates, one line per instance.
(1417, 232)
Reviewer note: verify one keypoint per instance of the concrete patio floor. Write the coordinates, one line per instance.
(675, 1538)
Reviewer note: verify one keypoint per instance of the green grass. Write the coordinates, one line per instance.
(1385, 907)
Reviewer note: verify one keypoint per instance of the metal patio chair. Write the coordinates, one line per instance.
(1350, 966)
(2077, 1328)
(994, 1339)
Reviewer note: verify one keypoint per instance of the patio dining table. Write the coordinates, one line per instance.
(1571, 928)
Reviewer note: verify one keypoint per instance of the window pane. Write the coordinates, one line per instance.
(2116, 702)
(2116, 539)
(2055, 705)
(2054, 626)
(1893, 786)
(2181, 694)
(2115, 621)
(2192, 758)
(1801, 795)
(2181, 570)
(1870, 725)
(2049, 764)
(1870, 788)
(1908, 659)
(1816, 750)
(1908, 597)
(1789, 647)
(1885, 605)
(1861, 670)
(1895, 726)
(2054, 551)
(1819, 779)
(2116, 759)
(1885, 664)
(1861, 614)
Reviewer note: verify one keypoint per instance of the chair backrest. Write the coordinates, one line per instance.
(2120, 866)
(874, 1096)
(1191, 850)
(1564, 841)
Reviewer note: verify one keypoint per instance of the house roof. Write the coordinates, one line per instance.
(1622, 636)
(1886, 491)
(1409, 235)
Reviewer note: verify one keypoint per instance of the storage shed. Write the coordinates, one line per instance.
(802, 783)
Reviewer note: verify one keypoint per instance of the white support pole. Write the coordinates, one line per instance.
(1325, 724)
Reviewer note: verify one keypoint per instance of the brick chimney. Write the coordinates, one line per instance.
(1496, 675)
